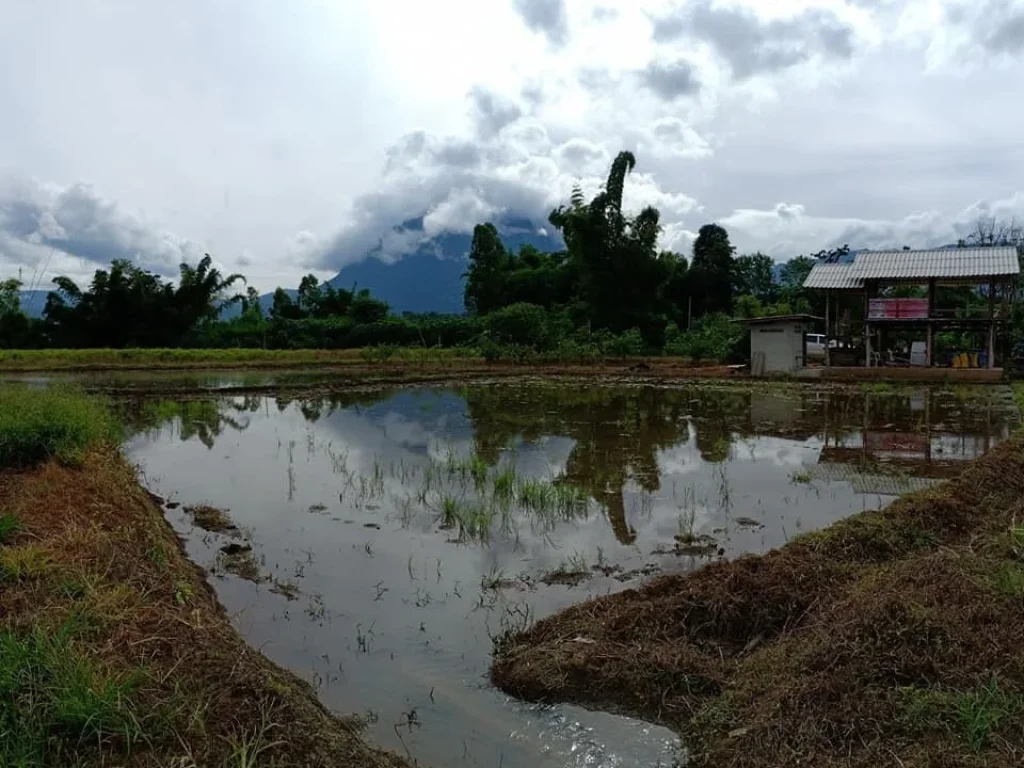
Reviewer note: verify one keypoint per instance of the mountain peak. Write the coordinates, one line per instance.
(429, 279)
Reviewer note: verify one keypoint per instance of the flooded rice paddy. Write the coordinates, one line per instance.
(374, 542)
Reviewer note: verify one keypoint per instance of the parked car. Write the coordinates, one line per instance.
(815, 347)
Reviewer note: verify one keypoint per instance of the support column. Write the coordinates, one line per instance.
(828, 333)
(867, 325)
(992, 324)
(928, 354)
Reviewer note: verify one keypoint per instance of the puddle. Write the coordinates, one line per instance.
(393, 533)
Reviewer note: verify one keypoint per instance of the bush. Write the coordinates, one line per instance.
(713, 337)
(37, 424)
(522, 324)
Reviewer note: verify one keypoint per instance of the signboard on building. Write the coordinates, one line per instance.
(898, 309)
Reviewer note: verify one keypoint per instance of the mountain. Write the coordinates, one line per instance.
(33, 302)
(429, 279)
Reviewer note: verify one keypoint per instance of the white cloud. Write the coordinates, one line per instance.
(283, 139)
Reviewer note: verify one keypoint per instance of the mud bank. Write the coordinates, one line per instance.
(891, 638)
(114, 650)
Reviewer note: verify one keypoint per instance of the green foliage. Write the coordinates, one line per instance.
(522, 324)
(9, 526)
(753, 276)
(56, 704)
(711, 271)
(713, 337)
(36, 424)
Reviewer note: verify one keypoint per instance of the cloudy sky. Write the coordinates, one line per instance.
(289, 137)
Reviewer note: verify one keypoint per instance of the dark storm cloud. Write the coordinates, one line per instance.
(752, 46)
(79, 222)
(548, 17)
(670, 81)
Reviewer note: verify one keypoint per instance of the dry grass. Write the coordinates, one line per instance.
(114, 650)
(892, 638)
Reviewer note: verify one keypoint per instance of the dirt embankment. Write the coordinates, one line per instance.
(114, 650)
(892, 638)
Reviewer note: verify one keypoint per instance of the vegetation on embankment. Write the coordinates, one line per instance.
(173, 359)
(369, 362)
(113, 649)
(891, 638)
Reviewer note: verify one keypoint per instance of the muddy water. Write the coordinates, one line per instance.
(394, 533)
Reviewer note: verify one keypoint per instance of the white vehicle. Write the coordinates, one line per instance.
(815, 346)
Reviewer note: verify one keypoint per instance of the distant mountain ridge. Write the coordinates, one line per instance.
(429, 279)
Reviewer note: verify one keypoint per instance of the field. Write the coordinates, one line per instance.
(171, 359)
(890, 638)
(113, 649)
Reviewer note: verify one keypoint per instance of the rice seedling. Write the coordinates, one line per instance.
(503, 485)
(536, 496)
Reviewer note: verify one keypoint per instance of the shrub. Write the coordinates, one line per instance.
(522, 324)
(37, 424)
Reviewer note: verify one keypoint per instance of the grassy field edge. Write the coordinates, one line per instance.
(114, 649)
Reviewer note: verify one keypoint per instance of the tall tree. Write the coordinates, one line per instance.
(754, 275)
(487, 261)
(621, 277)
(711, 271)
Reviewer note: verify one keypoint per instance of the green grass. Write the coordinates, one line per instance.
(9, 526)
(1018, 395)
(800, 477)
(57, 705)
(973, 715)
(38, 424)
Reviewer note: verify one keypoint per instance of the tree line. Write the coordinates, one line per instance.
(610, 291)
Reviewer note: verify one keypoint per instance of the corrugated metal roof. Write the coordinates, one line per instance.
(833, 276)
(905, 265)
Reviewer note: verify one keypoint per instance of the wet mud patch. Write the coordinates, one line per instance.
(210, 518)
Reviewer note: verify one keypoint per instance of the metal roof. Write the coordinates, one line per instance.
(777, 319)
(955, 263)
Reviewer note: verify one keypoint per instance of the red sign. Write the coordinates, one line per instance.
(897, 309)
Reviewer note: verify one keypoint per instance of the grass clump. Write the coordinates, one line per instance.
(61, 423)
(9, 526)
(58, 704)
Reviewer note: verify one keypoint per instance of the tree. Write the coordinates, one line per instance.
(754, 275)
(200, 294)
(711, 271)
(10, 297)
(621, 277)
(487, 261)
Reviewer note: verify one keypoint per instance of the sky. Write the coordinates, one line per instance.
(286, 138)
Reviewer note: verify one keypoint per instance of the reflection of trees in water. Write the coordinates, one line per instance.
(203, 418)
(321, 405)
(617, 432)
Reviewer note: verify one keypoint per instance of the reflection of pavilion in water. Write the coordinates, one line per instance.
(907, 443)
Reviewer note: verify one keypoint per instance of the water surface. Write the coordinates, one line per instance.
(396, 532)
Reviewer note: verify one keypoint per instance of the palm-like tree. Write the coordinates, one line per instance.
(200, 292)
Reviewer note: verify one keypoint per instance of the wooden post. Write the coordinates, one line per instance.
(867, 325)
(828, 334)
(928, 355)
(992, 324)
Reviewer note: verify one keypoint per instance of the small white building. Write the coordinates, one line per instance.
(778, 344)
